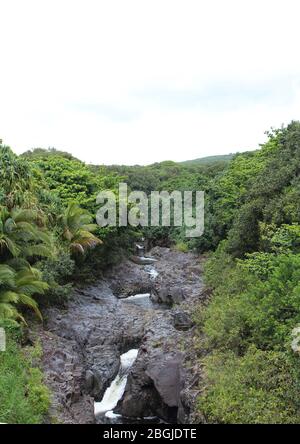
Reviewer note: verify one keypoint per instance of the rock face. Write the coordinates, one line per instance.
(157, 379)
(128, 279)
(179, 276)
(82, 345)
(182, 320)
(160, 382)
(82, 348)
(153, 386)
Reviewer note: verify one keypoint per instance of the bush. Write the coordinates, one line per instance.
(57, 272)
(247, 309)
(24, 399)
(260, 387)
(181, 246)
(251, 376)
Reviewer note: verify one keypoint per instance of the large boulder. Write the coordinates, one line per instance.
(165, 374)
(178, 276)
(182, 320)
(155, 382)
(167, 294)
(128, 278)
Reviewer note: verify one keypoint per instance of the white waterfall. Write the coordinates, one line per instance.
(116, 390)
(152, 272)
(137, 296)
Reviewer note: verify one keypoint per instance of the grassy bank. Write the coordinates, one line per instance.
(24, 399)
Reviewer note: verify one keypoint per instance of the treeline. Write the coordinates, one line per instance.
(251, 369)
(169, 176)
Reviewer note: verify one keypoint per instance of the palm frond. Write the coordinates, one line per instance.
(9, 297)
(29, 302)
(78, 228)
(7, 276)
(37, 250)
(24, 215)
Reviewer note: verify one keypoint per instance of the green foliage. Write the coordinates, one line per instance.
(181, 246)
(250, 306)
(57, 272)
(58, 268)
(226, 193)
(18, 287)
(276, 184)
(38, 227)
(38, 153)
(225, 321)
(70, 179)
(77, 229)
(15, 178)
(24, 399)
(20, 235)
(261, 387)
(250, 375)
(280, 239)
(222, 158)
(218, 267)
(68, 183)
(167, 176)
(260, 264)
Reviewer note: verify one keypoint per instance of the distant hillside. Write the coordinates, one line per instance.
(35, 153)
(209, 159)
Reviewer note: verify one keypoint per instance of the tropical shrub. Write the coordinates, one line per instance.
(256, 388)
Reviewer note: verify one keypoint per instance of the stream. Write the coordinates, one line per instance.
(114, 355)
(115, 391)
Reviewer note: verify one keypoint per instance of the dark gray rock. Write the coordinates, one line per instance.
(165, 374)
(182, 320)
(166, 294)
(178, 278)
(82, 345)
(83, 355)
(128, 279)
(154, 384)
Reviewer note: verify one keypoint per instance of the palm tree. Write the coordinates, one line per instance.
(20, 236)
(17, 288)
(78, 229)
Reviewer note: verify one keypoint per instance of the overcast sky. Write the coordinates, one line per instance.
(138, 81)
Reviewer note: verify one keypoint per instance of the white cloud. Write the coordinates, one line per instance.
(139, 81)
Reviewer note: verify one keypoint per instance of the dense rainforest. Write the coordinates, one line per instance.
(247, 331)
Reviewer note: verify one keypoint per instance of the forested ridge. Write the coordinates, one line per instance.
(49, 242)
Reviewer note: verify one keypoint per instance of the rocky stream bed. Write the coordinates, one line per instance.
(129, 334)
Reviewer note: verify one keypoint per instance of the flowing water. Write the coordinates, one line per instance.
(82, 358)
(116, 390)
(151, 271)
(104, 410)
(143, 300)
